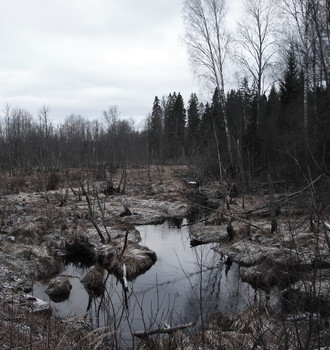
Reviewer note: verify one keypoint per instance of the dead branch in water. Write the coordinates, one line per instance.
(163, 330)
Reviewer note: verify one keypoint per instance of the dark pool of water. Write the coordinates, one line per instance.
(184, 283)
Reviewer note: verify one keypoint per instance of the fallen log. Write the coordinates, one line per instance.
(196, 242)
(165, 330)
(282, 201)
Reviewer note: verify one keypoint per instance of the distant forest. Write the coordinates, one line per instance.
(175, 133)
(250, 131)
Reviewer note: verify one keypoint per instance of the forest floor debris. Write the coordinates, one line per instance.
(37, 227)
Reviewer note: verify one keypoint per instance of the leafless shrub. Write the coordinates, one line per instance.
(29, 330)
(53, 181)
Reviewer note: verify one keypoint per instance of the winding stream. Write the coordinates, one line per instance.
(184, 283)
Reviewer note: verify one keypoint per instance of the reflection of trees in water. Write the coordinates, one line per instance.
(222, 288)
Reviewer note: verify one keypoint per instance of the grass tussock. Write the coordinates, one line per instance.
(59, 289)
(47, 266)
(93, 282)
(137, 259)
(31, 233)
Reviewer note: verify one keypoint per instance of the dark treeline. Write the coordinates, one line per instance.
(269, 140)
(249, 131)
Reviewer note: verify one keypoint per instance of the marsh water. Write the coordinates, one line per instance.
(182, 285)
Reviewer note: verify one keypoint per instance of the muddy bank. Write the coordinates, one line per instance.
(290, 260)
(38, 228)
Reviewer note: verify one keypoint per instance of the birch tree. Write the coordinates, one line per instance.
(207, 43)
(256, 44)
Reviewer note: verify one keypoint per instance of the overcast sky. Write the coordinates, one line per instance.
(82, 56)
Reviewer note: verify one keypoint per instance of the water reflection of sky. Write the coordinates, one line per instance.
(168, 293)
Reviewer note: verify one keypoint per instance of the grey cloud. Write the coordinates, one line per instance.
(80, 56)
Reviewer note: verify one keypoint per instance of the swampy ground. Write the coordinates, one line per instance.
(40, 212)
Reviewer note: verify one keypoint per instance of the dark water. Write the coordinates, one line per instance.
(184, 284)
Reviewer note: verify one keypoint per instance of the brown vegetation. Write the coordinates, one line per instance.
(295, 257)
(93, 282)
(59, 289)
(138, 259)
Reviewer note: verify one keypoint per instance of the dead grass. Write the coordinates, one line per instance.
(59, 289)
(24, 330)
(29, 330)
(137, 258)
(93, 282)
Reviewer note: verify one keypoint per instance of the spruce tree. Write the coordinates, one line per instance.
(291, 94)
(207, 144)
(174, 128)
(193, 125)
(180, 123)
(156, 130)
(170, 127)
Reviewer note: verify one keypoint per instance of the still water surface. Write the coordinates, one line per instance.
(184, 283)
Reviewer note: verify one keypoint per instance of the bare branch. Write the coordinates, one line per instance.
(163, 330)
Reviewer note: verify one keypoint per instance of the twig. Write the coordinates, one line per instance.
(163, 330)
(125, 243)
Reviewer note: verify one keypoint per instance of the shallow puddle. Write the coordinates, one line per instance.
(184, 283)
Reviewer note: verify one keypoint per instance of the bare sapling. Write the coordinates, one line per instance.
(272, 206)
(91, 213)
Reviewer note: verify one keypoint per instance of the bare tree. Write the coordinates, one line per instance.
(45, 129)
(45, 125)
(256, 44)
(111, 123)
(207, 42)
(111, 116)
